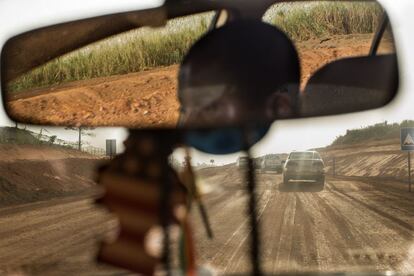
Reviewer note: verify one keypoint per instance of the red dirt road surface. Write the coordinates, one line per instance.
(58, 237)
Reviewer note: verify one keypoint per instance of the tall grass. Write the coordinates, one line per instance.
(148, 48)
(129, 52)
(321, 19)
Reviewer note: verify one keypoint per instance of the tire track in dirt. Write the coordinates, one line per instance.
(318, 231)
(350, 225)
(230, 195)
(333, 238)
(271, 233)
(239, 237)
(44, 237)
(85, 238)
(384, 240)
(404, 228)
(68, 230)
(375, 184)
(220, 225)
(36, 222)
(341, 232)
(239, 260)
(304, 250)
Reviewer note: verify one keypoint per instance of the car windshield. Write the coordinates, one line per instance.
(353, 212)
(301, 156)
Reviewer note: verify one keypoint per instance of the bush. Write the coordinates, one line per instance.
(317, 20)
(375, 132)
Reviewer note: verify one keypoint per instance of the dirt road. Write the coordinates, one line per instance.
(350, 225)
(58, 237)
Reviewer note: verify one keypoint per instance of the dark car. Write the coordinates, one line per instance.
(304, 165)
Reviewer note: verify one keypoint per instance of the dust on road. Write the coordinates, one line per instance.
(59, 237)
(352, 225)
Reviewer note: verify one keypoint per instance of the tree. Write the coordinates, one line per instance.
(82, 131)
(52, 139)
(212, 162)
(39, 136)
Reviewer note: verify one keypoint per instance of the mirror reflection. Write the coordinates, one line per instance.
(134, 79)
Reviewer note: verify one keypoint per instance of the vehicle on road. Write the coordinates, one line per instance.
(272, 163)
(242, 162)
(304, 165)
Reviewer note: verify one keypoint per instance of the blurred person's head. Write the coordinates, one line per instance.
(244, 73)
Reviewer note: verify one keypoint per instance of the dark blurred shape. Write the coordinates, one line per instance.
(143, 192)
(223, 140)
(245, 73)
(350, 85)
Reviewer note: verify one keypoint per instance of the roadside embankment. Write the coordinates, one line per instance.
(372, 159)
(30, 173)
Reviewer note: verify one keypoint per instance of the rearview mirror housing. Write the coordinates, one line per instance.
(142, 98)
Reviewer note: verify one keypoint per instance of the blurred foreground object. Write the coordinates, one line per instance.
(143, 191)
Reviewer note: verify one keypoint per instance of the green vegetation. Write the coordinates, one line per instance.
(134, 51)
(375, 132)
(147, 48)
(323, 19)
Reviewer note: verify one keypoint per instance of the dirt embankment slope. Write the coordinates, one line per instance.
(13, 152)
(31, 173)
(383, 159)
(371, 159)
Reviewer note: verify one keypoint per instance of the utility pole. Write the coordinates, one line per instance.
(409, 171)
(79, 139)
(407, 144)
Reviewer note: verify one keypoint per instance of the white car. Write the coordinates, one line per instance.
(304, 165)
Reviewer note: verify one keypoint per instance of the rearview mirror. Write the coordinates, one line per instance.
(129, 76)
